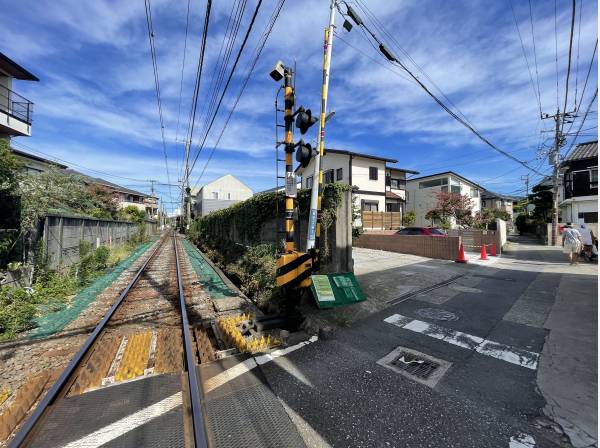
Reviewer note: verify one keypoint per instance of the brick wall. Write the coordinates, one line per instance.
(445, 248)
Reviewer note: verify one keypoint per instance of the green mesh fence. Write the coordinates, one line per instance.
(54, 322)
(210, 280)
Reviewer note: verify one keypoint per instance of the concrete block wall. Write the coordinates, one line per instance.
(62, 235)
(444, 248)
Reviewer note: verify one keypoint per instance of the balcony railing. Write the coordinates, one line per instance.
(15, 105)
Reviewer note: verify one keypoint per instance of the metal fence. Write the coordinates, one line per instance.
(15, 105)
(63, 234)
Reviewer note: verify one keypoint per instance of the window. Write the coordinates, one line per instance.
(215, 195)
(309, 182)
(339, 174)
(397, 184)
(392, 207)
(328, 177)
(455, 189)
(594, 178)
(445, 188)
(373, 173)
(433, 183)
(370, 206)
(588, 217)
(474, 193)
(229, 196)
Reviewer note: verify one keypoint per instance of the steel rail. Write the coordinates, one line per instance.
(200, 439)
(66, 374)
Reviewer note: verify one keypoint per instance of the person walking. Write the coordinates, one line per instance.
(587, 237)
(572, 243)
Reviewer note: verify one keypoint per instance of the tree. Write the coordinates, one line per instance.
(541, 198)
(452, 206)
(10, 168)
(104, 204)
(409, 218)
(132, 213)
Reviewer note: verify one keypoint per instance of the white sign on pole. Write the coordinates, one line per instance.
(291, 187)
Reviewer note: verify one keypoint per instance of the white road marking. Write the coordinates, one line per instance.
(513, 355)
(249, 364)
(521, 441)
(126, 424)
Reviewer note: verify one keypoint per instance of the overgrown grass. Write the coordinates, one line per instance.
(52, 290)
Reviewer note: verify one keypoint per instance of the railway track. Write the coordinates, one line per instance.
(144, 345)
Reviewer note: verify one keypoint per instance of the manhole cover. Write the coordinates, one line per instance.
(436, 314)
(415, 365)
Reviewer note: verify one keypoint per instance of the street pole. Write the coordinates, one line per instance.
(314, 222)
(526, 179)
(290, 181)
(555, 162)
(186, 184)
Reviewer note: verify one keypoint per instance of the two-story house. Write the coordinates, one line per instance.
(15, 111)
(422, 191)
(379, 187)
(497, 201)
(579, 202)
(221, 193)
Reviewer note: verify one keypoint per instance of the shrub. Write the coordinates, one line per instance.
(16, 311)
(409, 218)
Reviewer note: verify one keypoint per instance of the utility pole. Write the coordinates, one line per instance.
(554, 160)
(526, 179)
(186, 209)
(314, 218)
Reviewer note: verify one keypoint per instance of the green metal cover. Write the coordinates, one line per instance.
(333, 290)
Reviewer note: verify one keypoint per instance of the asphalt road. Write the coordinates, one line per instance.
(488, 397)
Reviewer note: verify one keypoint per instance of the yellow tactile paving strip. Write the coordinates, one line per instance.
(135, 358)
(229, 327)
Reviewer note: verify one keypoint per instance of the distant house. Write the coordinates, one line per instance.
(33, 164)
(380, 187)
(422, 191)
(221, 193)
(496, 201)
(579, 202)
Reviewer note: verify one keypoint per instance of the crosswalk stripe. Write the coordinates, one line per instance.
(513, 355)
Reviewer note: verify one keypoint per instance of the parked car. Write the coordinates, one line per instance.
(428, 231)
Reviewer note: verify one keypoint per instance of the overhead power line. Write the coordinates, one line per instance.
(187, 22)
(582, 122)
(157, 86)
(535, 94)
(395, 61)
(537, 75)
(568, 66)
(237, 59)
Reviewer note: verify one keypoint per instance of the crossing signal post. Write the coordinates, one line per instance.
(293, 267)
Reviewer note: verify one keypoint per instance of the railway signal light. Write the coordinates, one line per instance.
(304, 119)
(304, 153)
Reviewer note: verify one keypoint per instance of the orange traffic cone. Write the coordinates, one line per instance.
(493, 250)
(483, 253)
(461, 254)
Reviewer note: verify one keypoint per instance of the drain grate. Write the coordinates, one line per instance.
(436, 314)
(415, 365)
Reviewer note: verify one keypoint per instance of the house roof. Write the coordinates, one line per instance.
(587, 150)
(406, 170)
(390, 195)
(359, 154)
(10, 67)
(27, 155)
(446, 172)
(113, 186)
(221, 177)
(490, 195)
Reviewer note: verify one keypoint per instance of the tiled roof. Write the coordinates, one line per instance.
(390, 195)
(587, 150)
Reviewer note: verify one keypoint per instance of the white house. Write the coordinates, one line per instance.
(221, 193)
(15, 111)
(422, 191)
(579, 199)
(380, 187)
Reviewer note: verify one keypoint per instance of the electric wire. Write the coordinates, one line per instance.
(257, 52)
(187, 22)
(526, 58)
(556, 51)
(569, 65)
(582, 122)
(237, 59)
(584, 85)
(537, 75)
(157, 87)
(577, 65)
(394, 60)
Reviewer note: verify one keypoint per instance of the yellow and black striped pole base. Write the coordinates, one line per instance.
(294, 270)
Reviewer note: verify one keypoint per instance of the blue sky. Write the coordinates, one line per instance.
(95, 104)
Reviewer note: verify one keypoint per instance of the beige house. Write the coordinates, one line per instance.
(379, 186)
(221, 193)
(422, 191)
